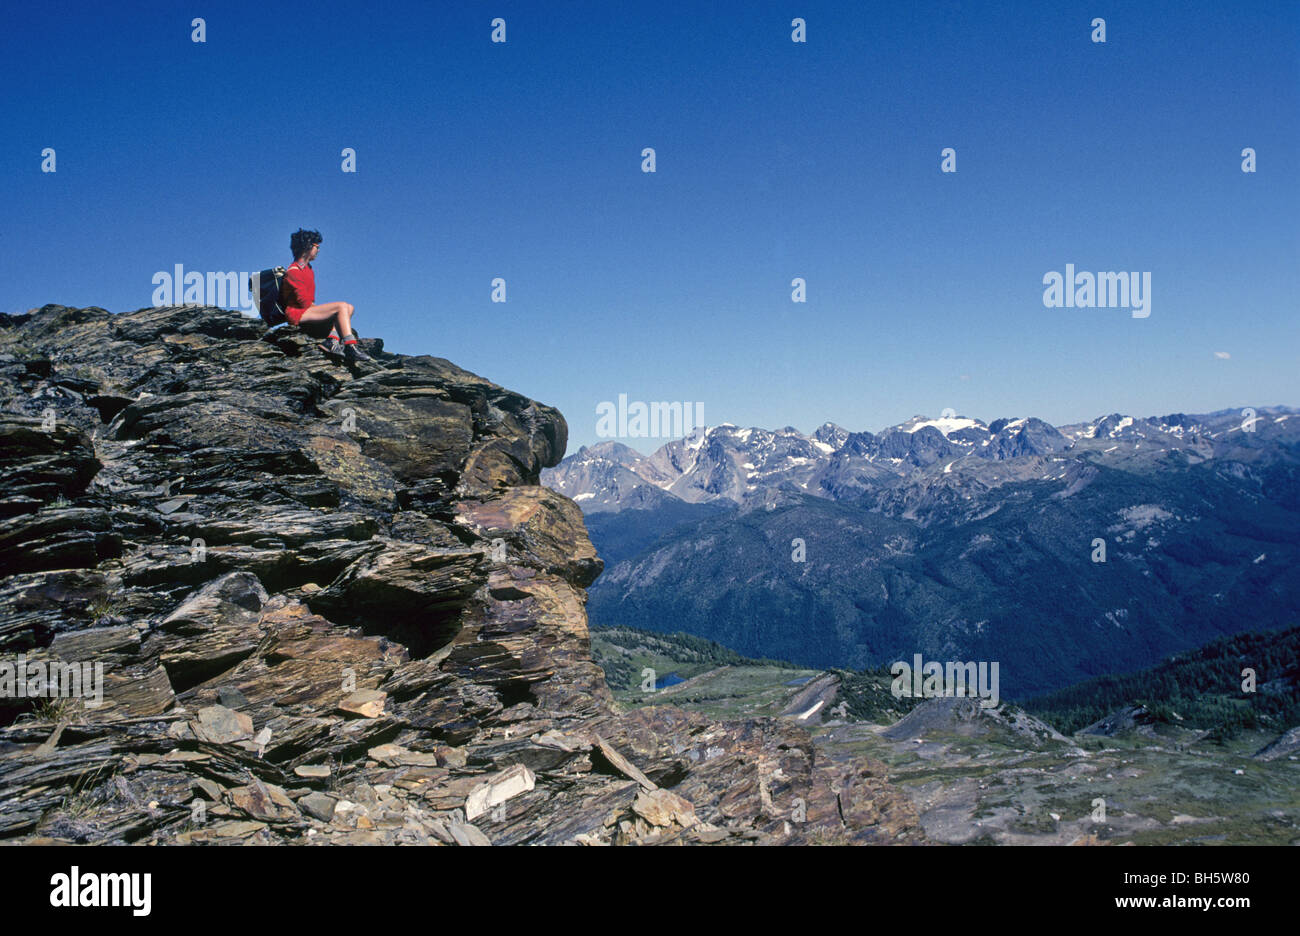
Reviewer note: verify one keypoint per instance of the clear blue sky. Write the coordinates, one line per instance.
(775, 160)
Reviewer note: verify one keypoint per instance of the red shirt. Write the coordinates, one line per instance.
(298, 290)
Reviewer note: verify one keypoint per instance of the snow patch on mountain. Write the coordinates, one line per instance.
(945, 424)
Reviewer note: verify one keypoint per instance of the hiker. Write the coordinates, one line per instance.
(298, 295)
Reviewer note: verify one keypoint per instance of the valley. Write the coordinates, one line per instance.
(1059, 553)
(1002, 776)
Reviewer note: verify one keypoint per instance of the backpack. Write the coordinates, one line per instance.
(265, 289)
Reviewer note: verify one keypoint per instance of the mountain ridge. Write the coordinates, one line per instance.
(726, 461)
(1062, 553)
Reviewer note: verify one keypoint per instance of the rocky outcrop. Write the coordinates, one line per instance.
(1129, 718)
(311, 603)
(1286, 744)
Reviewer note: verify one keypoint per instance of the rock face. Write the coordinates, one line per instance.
(332, 605)
(1129, 718)
(1285, 745)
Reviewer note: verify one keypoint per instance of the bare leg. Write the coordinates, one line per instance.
(340, 312)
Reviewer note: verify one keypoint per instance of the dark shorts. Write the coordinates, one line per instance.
(317, 329)
(314, 329)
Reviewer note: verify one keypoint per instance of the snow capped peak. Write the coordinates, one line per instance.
(945, 424)
(727, 462)
(828, 437)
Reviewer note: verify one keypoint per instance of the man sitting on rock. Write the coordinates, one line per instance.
(298, 295)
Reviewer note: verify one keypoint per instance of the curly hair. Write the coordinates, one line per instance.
(300, 241)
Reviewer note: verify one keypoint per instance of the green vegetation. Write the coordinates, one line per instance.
(105, 605)
(83, 797)
(867, 696)
(1004, 784)
(1199, 689)
(731, 692)
(624, 652)
(723, 684)
(54, 710)
(22, 351)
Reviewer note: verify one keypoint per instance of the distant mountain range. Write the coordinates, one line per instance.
(954, 538)
(726, 462)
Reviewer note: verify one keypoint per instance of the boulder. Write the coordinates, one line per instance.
(220, 725)
(498, 788)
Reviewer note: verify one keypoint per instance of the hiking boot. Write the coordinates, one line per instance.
(352, 351)
(332, 347)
